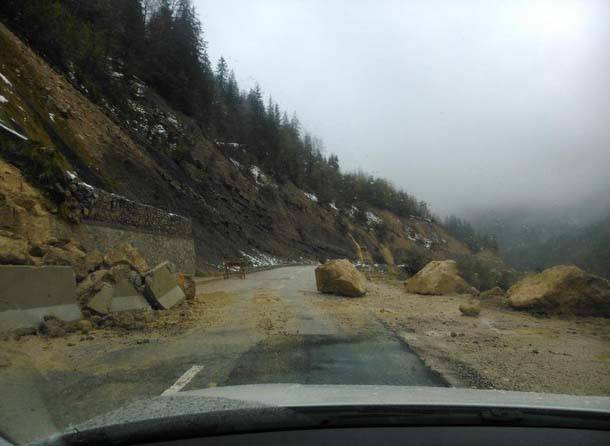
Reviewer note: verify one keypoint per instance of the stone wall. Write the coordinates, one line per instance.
(111, 209)
(155, 247)
(108, 220)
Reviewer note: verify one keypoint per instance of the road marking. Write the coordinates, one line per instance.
(183, 380)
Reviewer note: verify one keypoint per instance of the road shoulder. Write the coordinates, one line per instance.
(500, 349)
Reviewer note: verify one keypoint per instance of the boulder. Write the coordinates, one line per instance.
(85, 326)
(562, 290)
(126, 253)
(13, 250)
(187, 284)
(52, 327)
(161, 287)
(92, 283)
(492, 293)
(93, 260)
(471, 308)
(340, 277)
(439, 277)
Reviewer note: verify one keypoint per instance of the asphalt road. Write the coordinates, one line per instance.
(273, 330)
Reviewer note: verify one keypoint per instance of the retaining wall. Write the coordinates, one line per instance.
(155, 248)
(111, 219)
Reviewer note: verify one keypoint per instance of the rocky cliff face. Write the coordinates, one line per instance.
(151, 154)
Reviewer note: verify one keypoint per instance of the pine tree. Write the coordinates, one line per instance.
(222, 73)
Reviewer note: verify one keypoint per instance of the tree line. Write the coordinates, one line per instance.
(101, 44)
(465, 232)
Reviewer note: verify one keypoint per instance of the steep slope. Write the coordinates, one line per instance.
(152, 154)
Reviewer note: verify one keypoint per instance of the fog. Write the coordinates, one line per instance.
(465, 104)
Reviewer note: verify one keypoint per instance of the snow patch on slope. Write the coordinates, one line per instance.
(258, 258)
(5, 80)
(312, 197)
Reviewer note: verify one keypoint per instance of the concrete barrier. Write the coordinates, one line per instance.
(28, 293)
(162, 289)
(125, 298)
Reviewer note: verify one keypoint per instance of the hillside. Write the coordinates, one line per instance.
(235, 207)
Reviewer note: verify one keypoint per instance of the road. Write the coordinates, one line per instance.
(272, 327)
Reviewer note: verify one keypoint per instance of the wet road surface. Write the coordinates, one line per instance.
(275, 328)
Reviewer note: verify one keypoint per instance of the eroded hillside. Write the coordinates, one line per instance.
(152, 154)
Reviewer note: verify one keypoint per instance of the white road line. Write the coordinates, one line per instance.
(183, 380)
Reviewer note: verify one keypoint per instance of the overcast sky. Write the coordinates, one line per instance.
(465, 104)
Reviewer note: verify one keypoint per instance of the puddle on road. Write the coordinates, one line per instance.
(314, 359)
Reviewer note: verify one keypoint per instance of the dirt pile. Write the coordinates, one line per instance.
(340, 277)
(562, 290)
(437, 278)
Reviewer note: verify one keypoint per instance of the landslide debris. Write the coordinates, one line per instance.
(562, 289)
(437, 278)
(340, 277)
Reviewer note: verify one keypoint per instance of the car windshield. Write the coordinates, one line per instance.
(199, 194)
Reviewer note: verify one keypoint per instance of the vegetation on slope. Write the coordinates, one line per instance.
(102, 45)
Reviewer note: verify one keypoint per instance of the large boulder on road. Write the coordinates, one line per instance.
(562, 290)
(340, 277)
(439, 277)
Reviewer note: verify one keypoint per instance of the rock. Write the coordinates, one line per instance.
(439, 277)
(492, 292)
(340, 277)
(471, 308)
(92, 283)
(38, 250)
(187, 284)
(562, 290)
(13, 250)
(101, 301)
(125, 253)
(161, 288)
(85, 326)
(94, 260)
(52, 327)
(71, 256)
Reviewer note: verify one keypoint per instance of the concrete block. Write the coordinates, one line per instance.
(28, 293)
(162, 289)
(102, 299)
(125, 297)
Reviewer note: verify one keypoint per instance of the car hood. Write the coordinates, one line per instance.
(258, 407)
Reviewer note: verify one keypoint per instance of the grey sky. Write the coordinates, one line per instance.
(463, 103)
